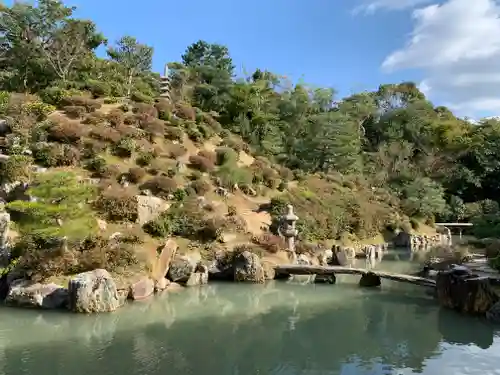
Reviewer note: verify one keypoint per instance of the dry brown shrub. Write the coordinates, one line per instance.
(95, 118)
(90, 105)
(105, 134)
(213, 123)
(201, 187)
(160, 186)
(143, 108)
(270, 242)
(115, 117)
(185, 112)
(210, 155)
(200, 163)
(174, 150)
(154, 127)
(173, 133)
(66, 132)
(74, 111)
(136, 175)
(117, 205)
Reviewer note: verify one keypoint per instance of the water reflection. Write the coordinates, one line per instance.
(234, 329)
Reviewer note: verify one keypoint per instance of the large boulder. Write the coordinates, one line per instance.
(149, 208)
(141, 289)
(29, 294)
(199, 277)
(247, 267)
(93, 292)
(181, 268)
(340, 257)
(163, 261)
(460, 290)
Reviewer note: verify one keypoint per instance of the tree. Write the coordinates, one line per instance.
(61, 208)
(135, 57)
(43, 42)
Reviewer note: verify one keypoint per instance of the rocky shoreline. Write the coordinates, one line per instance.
(458, 287)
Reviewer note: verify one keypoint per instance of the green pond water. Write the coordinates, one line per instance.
(277, 328)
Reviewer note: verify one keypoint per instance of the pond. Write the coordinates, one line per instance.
(277, 328)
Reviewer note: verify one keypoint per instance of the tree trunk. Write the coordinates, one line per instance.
(129, 83)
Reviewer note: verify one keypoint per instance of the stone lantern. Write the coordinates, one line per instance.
(289, 231)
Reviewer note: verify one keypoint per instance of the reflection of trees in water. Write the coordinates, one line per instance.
(381, 331)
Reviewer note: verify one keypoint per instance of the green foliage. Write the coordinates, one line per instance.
(61, 208)
(230, 175)
(17, 168)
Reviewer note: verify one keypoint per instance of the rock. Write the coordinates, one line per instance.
(181, 268)
(465, 292)
(325, 257)
(304, 260)
(227, 237)
(403, 239)
(141, 289)
(149, 208)
(325, 279)
(269, 271)
(164, 260)
(221, 267)
(247, 267)
(339, 258)
(102, 225)
(369, 279)
(493, 314)
(199, 277)
(174, 287)
(28, 294)
(161, 285)
(93, 291)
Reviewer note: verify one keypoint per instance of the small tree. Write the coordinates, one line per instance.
(135, 57)
(61, 208)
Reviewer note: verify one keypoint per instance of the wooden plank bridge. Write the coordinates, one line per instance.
(297, 269)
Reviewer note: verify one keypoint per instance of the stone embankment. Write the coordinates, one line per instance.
(419, 242)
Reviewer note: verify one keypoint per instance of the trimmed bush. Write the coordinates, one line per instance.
(136, 175)
(160, 186)
(173, 133)
(200, 163)
(90, 105)
(94, 118)
(226, 155)
(144, 159)
(139, 97)
(117, 205)
(201, 187)
(74, 111)
(175, 151)
(66, 132)
(115, 117)
(16, 168)
(185, 112)
(210, 155)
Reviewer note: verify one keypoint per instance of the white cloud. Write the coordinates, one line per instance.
(457, 46)
(371, 6)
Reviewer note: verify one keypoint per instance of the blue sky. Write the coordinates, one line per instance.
(451, 48)
(320, 41)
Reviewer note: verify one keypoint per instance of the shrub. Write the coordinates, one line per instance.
(98, 88)
(105, 134)
(185, 112)
(163, 167)
(16, 168)
(4, 102)
(143, 108)
(110, 171)
(66, 132)
(180, 195)
(144, 158)
(110, 100)
(229, 176)
(210, 155)
(225, 156)
(124, 148)
(154, 127)
(90, 105)
(231, 210)
(269, 242)
(174, 150)
(200, 163)
(160, 186)
(56, 155)
(97, 164)
(205, 131)
(214, 124)
(117, 205)
(115, 117)
(201, 187)
(236, 144)
(286, 173)
(164, 109)
(136, 175)
(55, 95)
(173, 133)
(38, 109)
(124, 108)
(74, 111)
(194, 134)
(139, 97)
(94, 118)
